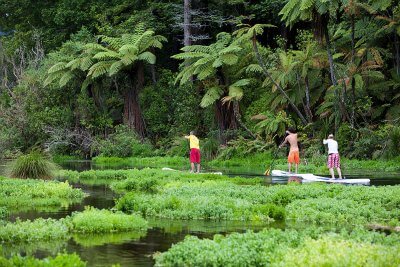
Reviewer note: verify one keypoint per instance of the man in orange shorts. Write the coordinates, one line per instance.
(294, 157)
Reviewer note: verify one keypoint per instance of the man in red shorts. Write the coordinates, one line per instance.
(294, 156)
(194, 151)
(333, 156)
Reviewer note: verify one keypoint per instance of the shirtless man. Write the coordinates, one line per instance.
(294, 157)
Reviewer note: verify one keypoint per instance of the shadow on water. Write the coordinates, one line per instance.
(136, 249)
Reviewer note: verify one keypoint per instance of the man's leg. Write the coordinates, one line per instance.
(290, 166)
(192, 166)
(332, 173)
(198, 167)
(339, 173)
(296, 167)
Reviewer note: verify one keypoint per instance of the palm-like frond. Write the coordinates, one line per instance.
(212, 95)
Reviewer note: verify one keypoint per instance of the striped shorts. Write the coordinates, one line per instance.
(333, 160)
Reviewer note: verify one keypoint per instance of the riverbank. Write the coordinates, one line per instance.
(258, 163)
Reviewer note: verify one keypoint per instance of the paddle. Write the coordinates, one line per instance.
(268, 171)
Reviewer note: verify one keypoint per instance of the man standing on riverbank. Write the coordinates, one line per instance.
(293, 157)
(194, 151)
(333, 156)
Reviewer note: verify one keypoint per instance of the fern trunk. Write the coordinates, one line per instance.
(225, 118)
(133, 116)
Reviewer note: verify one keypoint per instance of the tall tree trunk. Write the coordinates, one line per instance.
(268, 75)
(225, 118)
(353, 82)
(133, 116)
(187, 18)
(308, 105)
(397, 52)
(238, 116)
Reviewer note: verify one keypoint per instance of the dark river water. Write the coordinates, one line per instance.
(136, 249)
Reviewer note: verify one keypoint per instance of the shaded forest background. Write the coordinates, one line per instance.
(130, 78)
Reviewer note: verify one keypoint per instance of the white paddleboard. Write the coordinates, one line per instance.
(309, 177)
(169, 169)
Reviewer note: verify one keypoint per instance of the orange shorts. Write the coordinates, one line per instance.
(294, 157)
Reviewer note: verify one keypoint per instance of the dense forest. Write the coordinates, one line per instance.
(130, 78)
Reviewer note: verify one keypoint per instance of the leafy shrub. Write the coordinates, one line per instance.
(31, 231)
(273, 247)
(333, 251)
(92, 220)
(29, 194)
(124, 143)
(3, 212)
(65, 260)
(33, 165)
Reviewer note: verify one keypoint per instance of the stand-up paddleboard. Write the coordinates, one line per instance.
(169, 169)
(309, 177)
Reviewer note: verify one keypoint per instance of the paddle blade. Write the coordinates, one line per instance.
(267, 172)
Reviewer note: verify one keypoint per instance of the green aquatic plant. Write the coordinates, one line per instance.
(93, 220)
(99, 239)
(65, 260)
(33, 165)
(25, 194)
(32, 231)
(274, 247)
(147, 180)
(3, 212)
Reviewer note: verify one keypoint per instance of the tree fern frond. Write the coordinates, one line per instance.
(57, 67)
(115, 68)
(99, 69)
(68, 76)
(129, 48)
(212, 94)
(148, 57)
(108, 55)
(229, 59)
(86, 63)
(189, 55)
(235, 92)
(254, 68)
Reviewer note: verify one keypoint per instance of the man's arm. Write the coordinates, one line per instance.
(324, 141)
(187, 136)
(284, 142)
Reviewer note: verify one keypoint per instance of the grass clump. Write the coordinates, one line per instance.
(218, 200)
(33, 165)
(31, 231)
(273, 247)
(65, 260)
(147, 180)
(92, 220)
(29, 194)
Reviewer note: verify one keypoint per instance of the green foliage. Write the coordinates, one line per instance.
(273, 247)
(334, 251)
(3, 212)
(99, 239)
(123, 143)
(33, 165)
(92, 220)
(174, 161)
(32, 231)
(66, 260)
(33, 194)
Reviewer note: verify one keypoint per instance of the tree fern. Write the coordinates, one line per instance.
(212, 94)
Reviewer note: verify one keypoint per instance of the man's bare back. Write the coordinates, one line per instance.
(292, 140)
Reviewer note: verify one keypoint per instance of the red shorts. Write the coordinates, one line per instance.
(194, 155)
(293, 157)
(333, 161)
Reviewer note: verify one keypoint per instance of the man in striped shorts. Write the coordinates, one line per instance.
(333, 156)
